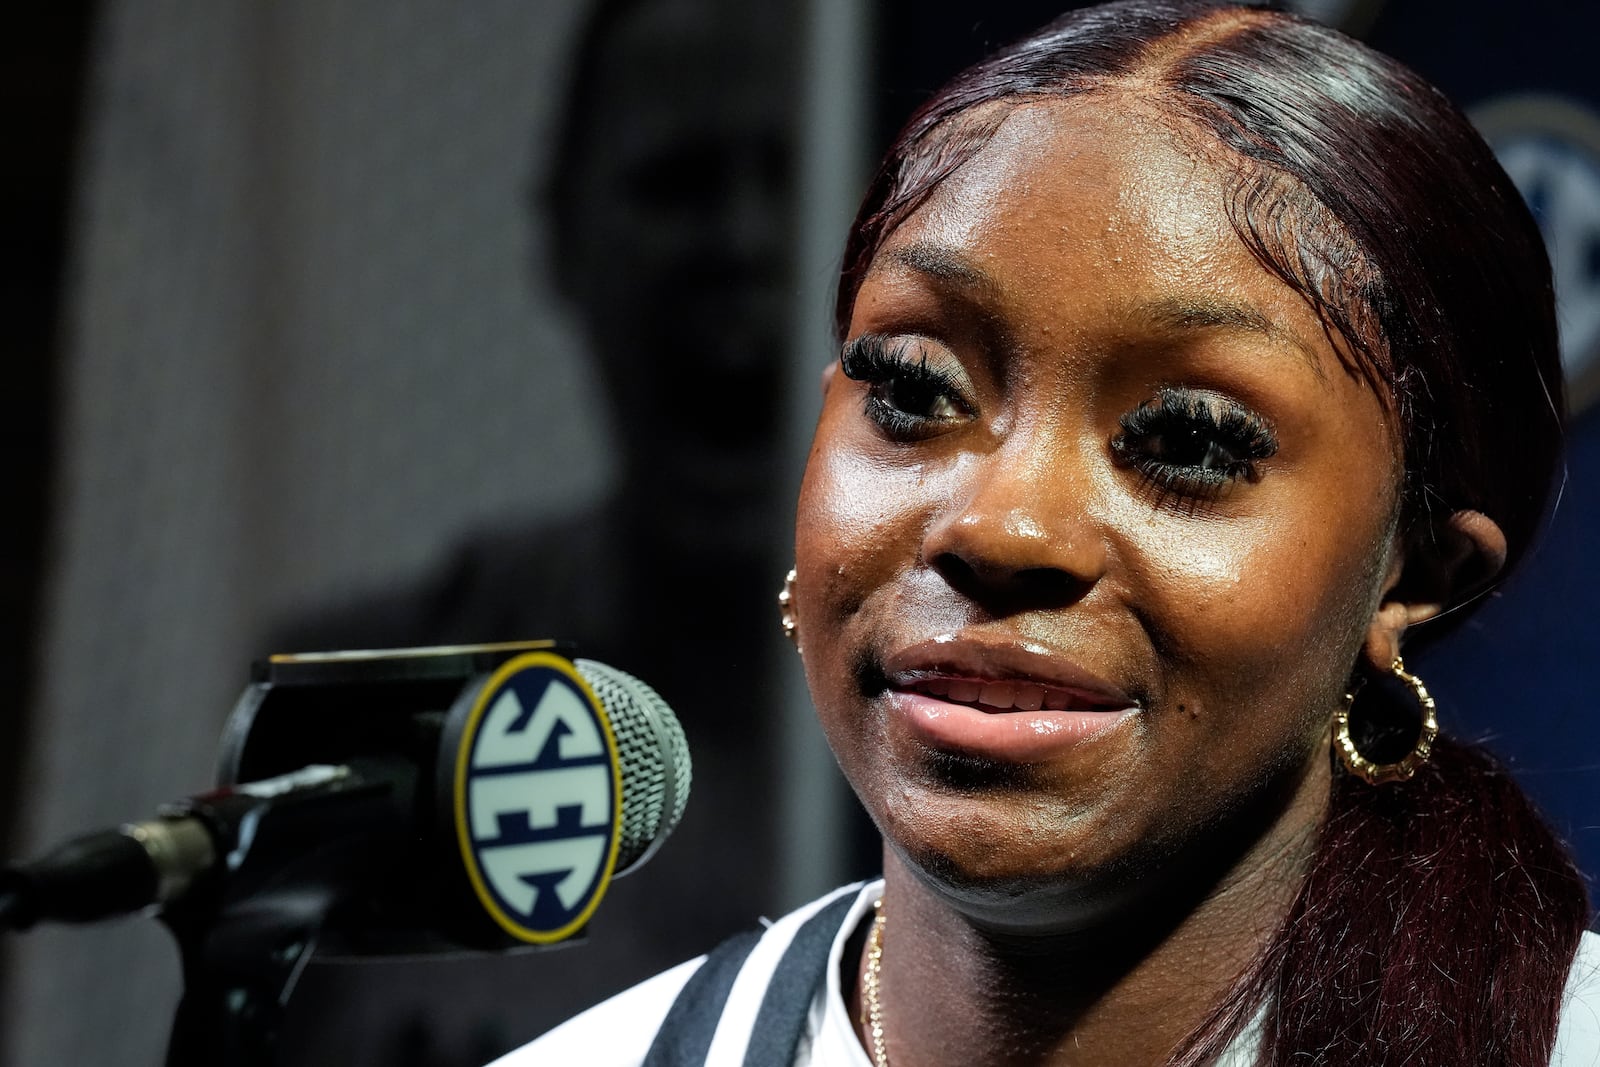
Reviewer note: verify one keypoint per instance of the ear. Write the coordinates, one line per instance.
(1444, 566)
(829, 373)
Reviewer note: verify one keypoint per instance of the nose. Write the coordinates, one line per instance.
(1018, 533)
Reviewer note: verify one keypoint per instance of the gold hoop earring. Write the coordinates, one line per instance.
(1379, 773)
(786, 616)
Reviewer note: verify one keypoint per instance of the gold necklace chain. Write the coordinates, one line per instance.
(871, 1009)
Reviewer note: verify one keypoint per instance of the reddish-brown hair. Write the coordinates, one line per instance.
(1440, 915)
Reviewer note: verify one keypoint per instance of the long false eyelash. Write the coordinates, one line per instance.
(898, 381)
(1234, 441)
(872, 358)
(1228, 420)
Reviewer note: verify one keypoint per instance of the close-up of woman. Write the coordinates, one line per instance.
(1198, 365)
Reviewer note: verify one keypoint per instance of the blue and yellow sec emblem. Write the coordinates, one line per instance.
(538, 798)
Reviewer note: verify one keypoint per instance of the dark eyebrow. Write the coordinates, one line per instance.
(1187, 313)
(1191, 313)
(1176, 314)
(945, 264)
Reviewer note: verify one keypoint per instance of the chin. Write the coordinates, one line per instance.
(1029, 862)
(1028, 903)
(1013, 862)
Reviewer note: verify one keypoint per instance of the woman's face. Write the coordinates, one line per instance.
(1094, 524)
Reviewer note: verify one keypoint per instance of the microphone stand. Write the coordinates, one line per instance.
(245, 940)
(237, 981)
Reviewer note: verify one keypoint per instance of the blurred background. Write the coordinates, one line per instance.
(361, 324)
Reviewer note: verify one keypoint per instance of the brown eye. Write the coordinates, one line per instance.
(1193, 444)
(906, 398)
(1190, 446)
(912, 394)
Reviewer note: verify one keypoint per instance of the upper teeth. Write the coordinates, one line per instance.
(1025, 696)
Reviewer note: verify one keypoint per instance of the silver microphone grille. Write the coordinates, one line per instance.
(654, 758)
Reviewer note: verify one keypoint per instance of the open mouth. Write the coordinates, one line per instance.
(1007, 695)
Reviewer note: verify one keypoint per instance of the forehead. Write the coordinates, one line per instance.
(1110, 153)
(1096, 202)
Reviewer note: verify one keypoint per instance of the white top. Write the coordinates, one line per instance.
(618, 1032)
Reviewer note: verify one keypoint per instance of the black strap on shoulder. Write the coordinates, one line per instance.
(686, 1032)
(794, 983)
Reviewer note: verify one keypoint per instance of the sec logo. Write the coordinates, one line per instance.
(1550, 146)
(538, 798)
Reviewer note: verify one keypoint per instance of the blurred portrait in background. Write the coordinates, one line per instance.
(669, 203)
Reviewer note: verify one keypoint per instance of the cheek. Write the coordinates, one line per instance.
(1253, 580)
(1255, 630)
(856, 525)
(857, 531)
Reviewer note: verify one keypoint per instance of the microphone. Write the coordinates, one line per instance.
(411, 800)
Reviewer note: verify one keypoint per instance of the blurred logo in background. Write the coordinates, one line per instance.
(1354, 17)
(1550, 145)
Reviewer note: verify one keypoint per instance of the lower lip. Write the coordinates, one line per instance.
(1011, 736)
